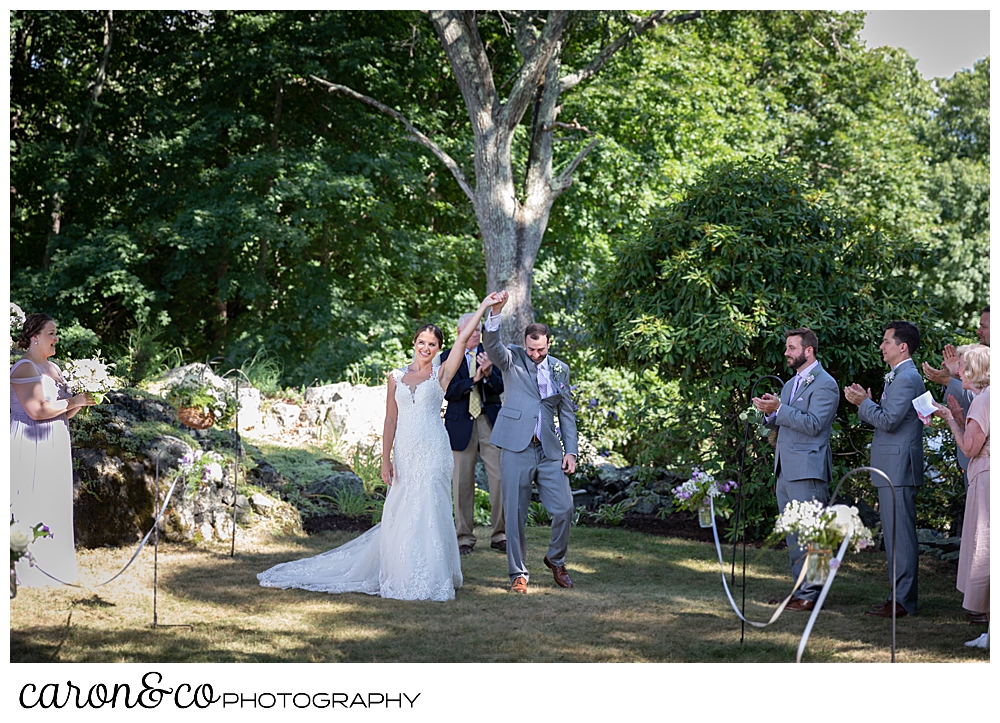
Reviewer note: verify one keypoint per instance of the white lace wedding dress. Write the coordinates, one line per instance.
(413, 553)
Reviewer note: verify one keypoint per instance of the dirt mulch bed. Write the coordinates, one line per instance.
(325, 523)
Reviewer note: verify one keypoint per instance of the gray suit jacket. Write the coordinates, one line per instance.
(897, 446)
(804, 424)
(515, 425)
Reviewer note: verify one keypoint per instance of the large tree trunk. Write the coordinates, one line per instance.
(512, 231)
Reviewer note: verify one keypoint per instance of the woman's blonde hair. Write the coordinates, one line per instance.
(976, 369)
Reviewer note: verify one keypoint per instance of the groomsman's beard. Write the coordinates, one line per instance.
(797, 363)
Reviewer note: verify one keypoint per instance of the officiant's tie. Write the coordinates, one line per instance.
(543, 391)
(475, 406)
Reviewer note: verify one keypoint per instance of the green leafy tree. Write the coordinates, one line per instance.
(703, 295)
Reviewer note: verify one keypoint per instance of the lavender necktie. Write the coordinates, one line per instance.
(543, 391)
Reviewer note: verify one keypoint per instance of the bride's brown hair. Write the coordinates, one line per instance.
(432, 329)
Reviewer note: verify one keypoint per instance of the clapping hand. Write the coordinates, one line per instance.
(951, 359)
(768, 404)
(855, 394)
(956, 410)
(938, 376)
(483, 366)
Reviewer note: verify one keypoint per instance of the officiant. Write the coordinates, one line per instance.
(473, 403)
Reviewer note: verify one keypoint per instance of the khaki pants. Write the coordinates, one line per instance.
(464, 484)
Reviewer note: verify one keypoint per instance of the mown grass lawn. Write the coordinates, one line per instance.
(638, 598)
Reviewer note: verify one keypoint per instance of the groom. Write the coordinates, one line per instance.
(536, 391)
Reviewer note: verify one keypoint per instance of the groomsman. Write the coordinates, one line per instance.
(473, 403)
(897, 450)
(803, 462)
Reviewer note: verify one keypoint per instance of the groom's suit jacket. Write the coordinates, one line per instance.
(897, 445)
(804, 424)
(515, 423)
(457, 419)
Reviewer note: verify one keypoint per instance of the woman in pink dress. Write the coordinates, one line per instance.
(973, 436)
(41, 467)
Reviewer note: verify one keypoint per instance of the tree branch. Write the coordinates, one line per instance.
(532, 70)
(419, 137)
(565, 179)
(470, 67)
(640, 26)
(99, 78)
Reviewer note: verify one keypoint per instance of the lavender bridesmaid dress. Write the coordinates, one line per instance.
(41, 484)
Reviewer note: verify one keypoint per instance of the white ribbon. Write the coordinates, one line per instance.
(781, 607)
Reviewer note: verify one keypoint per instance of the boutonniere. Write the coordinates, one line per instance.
(557, 368)
(809, 380)
(889, 377)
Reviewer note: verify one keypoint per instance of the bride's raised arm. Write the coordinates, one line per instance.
(457, 354)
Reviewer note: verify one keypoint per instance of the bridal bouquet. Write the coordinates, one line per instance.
(823, 527)
(695, 493)
(200, 469)
(89, 376)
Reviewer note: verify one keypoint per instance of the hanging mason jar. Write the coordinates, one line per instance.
(13, 582)
(705, 512)
(818, 564)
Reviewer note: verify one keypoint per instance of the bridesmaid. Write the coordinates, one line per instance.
(41, 466)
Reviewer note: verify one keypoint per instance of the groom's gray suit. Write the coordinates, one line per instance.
(523, 460)
(897, 450)
(803, 461)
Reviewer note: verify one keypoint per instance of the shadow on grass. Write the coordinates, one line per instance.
(637, 598)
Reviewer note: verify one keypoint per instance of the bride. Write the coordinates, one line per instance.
(412, 554)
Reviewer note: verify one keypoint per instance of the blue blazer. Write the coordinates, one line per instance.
(457, 419)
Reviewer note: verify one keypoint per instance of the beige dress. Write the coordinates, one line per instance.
(974, 557)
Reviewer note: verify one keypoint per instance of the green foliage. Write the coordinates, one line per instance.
(264, 370)
(481, 509)
(538, 515)
(704, 294)
(612, 515)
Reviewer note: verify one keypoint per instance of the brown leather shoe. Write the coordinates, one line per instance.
(886, 611)
(502, 545)
(798, 603)
(519, 584)
(559, 573)
(465, 549)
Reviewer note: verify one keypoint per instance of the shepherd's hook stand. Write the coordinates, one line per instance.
(892, 489)
(238, 447)
(158, 453)
(739, 507)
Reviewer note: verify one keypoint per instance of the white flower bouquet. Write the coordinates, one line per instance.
(90, 376)
(823, 527)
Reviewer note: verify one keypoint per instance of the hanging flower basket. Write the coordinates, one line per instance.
(195, 418)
